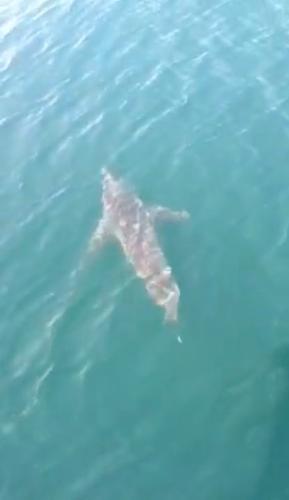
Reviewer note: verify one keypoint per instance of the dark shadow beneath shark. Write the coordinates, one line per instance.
(273, 482)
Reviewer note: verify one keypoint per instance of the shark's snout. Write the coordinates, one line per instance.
(106, 178)
(104, 172)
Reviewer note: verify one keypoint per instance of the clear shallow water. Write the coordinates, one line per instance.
(190, 103)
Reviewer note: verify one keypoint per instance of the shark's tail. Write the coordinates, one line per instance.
(168, 320)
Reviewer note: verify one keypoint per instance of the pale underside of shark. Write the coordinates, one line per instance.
(128, 220)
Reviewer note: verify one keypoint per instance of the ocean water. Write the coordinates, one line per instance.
(189, 101)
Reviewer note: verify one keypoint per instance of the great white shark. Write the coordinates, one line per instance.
(128, 220)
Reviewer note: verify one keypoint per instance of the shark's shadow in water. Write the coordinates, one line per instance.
(274, 479)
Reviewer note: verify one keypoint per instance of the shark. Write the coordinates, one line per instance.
(132, 223)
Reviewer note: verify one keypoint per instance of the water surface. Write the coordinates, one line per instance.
(189, 101)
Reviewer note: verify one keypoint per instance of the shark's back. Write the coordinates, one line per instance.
(133, 227)
(126, 218)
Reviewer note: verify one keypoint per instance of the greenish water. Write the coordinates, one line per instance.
(190, 102)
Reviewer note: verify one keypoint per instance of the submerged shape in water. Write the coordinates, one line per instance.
(127, 219)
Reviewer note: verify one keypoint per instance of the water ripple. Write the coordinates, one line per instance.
(191, 104)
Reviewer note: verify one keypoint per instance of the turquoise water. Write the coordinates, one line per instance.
(190, 102)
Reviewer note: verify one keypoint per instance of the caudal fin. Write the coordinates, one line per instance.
(171, 313)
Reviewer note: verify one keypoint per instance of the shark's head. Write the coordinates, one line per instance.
(105, 171)
(109, 184)
(113, 187)
(106, 177)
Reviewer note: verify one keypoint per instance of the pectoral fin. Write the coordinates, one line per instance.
(159, 213)
(101, 235)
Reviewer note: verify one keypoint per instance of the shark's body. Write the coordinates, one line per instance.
(127, 219)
